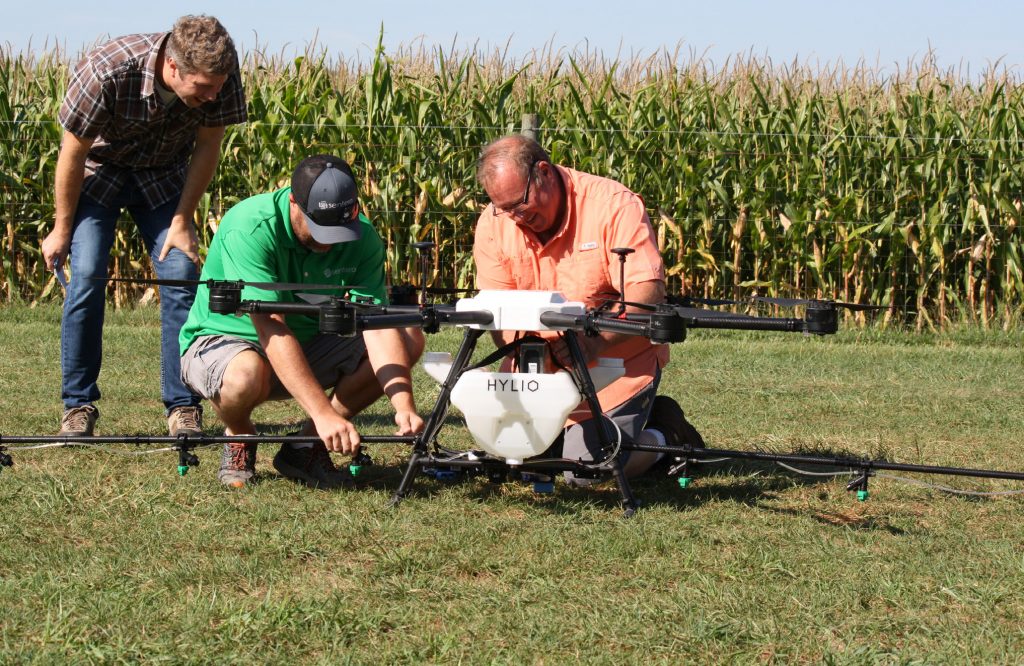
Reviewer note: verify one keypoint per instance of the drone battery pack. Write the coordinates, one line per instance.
(532, 357)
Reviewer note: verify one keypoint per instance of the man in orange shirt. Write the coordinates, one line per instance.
(552, 228)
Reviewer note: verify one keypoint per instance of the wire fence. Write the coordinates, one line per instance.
(903, 193)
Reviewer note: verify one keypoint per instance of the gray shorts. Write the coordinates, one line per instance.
(628, 419)
(330, 357)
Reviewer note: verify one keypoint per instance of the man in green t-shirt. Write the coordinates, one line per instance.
(309, 233)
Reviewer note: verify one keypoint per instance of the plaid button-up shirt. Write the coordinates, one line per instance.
(112, 98)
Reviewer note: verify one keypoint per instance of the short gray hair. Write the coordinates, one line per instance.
(516, 149)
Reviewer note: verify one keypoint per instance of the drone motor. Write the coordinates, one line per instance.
(338, 318)
(225, 297)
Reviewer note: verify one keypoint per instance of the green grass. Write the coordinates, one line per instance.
(113, 558)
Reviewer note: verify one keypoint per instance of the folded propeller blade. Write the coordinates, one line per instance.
(795, 302)
(688, 301)
(269, 286)
(643, 306)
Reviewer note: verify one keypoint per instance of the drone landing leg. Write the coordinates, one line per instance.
(434, 422)
(411, 468)
(586, 385)
(629, 503)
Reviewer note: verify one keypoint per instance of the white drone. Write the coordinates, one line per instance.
(517, 415)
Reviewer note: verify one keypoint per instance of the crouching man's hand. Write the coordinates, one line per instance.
(337, 433)
(408, 422)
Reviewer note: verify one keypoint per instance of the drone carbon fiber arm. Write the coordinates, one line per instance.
(429, 317)
(668, 323)
(344, 318)
(665, 323)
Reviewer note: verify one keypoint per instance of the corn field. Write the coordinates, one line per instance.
(902, 190)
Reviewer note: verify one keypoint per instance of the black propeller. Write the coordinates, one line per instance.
(407, 294)
(269, 286)
(676, 301)
(795, 302)
(690, 301)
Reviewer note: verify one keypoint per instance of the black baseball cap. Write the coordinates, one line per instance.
(325, 189)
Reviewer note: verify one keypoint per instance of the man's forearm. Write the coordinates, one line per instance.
(68, 179)
(201, 167)
(290, 365)
(389, 355)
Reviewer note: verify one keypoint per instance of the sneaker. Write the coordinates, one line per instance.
(668, 419)
(185, 421)
(237, 465)
(79, 421)
(311, 465)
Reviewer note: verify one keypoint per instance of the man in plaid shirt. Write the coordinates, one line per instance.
(143, 120)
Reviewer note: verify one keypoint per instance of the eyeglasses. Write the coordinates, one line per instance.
(520, 207)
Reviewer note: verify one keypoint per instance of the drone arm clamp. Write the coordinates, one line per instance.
(590, 324)
(660, 327)
(428, 318)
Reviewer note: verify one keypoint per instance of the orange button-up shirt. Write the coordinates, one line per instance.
(601, 214)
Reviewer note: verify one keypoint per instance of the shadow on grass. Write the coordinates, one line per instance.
(757, 493)
(649, 492)
(719, 486)
(850, 519)
(747, 482)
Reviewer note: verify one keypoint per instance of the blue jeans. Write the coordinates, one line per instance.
(81, 331)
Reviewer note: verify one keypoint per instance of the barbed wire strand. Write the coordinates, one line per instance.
(253, 125)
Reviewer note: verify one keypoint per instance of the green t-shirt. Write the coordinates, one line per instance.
(255, 242)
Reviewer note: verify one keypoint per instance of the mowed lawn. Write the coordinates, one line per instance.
(110, 557)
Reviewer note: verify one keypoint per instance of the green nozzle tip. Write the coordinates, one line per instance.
(684, 481)
(182, 470)
(355, 469)
(862, 495)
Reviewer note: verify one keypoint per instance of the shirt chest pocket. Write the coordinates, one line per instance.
(134, 129)
(523, 269)
(585, 276)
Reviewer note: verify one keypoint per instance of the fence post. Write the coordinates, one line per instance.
(531, 122)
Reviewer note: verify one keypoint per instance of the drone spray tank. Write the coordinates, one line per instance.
(517, 415)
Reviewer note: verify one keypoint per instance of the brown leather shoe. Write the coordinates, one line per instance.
(79, 421)
(185, 421)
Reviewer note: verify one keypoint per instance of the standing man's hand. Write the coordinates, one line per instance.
(68, 177)
(55, 247)
(182, 235)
